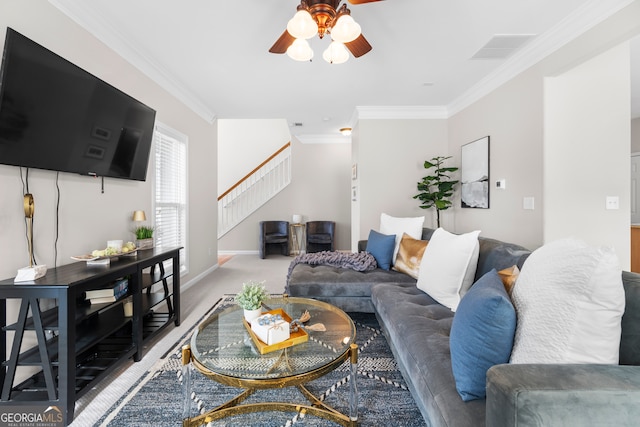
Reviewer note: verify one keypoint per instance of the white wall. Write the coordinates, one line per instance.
(88, 218)
(390, 155)
(244, 144)
(319, 190)
(586, 152)
(513, 116)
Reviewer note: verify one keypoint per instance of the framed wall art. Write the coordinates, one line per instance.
(474, 173)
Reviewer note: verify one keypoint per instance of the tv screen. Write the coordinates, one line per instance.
(56, 116)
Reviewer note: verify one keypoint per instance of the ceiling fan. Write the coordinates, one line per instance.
(323, 17)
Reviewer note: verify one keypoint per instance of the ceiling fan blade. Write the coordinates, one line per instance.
(361, 1)
(359, 46)
(282, 44)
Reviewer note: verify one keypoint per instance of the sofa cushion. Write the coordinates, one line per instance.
(417, 328)
(398, 226)
(569, 299)
(410, 255)
(448, 266)
(481, 335)
(324, 280)
(381, 246)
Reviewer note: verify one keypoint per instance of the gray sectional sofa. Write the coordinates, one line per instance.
(417, 329)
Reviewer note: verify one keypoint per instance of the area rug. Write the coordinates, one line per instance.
(384, 400)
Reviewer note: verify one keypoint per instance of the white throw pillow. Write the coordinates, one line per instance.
(569, 300)
(398, 226)
(448, 266)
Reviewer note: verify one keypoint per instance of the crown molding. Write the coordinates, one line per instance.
(584, 18)
(322, 139)
(400, 112)
(77, 11)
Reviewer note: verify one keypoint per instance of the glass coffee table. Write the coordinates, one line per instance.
(223, 351)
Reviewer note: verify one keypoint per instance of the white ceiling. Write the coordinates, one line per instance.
(214, 55)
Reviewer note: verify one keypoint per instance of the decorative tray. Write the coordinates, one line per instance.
(89, 257)
(297, 337)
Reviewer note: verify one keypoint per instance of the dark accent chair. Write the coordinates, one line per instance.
(320, 236)
(274, 233)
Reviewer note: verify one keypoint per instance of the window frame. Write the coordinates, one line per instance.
(162, 130)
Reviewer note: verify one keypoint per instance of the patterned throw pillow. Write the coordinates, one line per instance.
(509, 277)
(394, 225)
(569, 299)
(410, 255)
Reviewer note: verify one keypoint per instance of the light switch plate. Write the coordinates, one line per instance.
(613, 202)
(528, 203)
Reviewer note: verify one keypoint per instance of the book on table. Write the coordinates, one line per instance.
(119, 289)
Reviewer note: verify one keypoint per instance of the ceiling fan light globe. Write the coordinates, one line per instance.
(302, 25)
(336, 53)
(300, 50)
(346, 29)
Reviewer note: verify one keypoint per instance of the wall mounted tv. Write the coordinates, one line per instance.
(56, 116)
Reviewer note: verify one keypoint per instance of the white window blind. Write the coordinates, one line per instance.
(170, 197)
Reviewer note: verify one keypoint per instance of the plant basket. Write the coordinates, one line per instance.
(143, 244)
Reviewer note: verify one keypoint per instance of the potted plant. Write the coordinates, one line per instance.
(436, 190)
(144, 237)
(251, 298)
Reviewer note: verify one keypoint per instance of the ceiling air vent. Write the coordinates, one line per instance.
(501, 46)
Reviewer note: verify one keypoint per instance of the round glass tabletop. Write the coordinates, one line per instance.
(222, 343)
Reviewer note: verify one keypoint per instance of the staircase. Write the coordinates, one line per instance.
(254, 190)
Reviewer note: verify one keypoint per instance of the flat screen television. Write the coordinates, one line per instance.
(56, 116)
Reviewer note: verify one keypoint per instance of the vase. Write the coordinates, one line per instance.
(251, 315)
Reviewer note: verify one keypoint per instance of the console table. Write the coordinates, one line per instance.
(79, 344)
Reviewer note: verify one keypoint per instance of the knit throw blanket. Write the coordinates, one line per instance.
(361, 261)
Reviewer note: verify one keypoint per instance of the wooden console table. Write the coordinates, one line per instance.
(79, 344)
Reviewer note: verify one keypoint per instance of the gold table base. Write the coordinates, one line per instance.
(233, 406)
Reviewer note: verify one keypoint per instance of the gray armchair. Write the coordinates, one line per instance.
(274, 233)
(320, 236)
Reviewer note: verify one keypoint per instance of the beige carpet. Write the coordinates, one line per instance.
(195, 301)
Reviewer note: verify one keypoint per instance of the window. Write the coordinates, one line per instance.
(170, 192)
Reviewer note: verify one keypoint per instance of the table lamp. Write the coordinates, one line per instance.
(139, 216)
(32, 272)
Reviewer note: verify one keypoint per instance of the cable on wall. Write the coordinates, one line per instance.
(55, 243)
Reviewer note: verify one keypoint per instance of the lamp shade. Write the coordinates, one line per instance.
(336, 53)
(302, 25)
(345, 30)
(300, 50)
(139, 216)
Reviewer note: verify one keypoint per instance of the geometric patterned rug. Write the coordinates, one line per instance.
(383, 398)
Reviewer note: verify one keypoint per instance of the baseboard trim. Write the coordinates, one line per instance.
(238, 252)
(190, 283)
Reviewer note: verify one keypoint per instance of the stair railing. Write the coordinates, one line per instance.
(254, 190)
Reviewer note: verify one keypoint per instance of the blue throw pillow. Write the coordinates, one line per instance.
(381, 246)
(481, 335)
